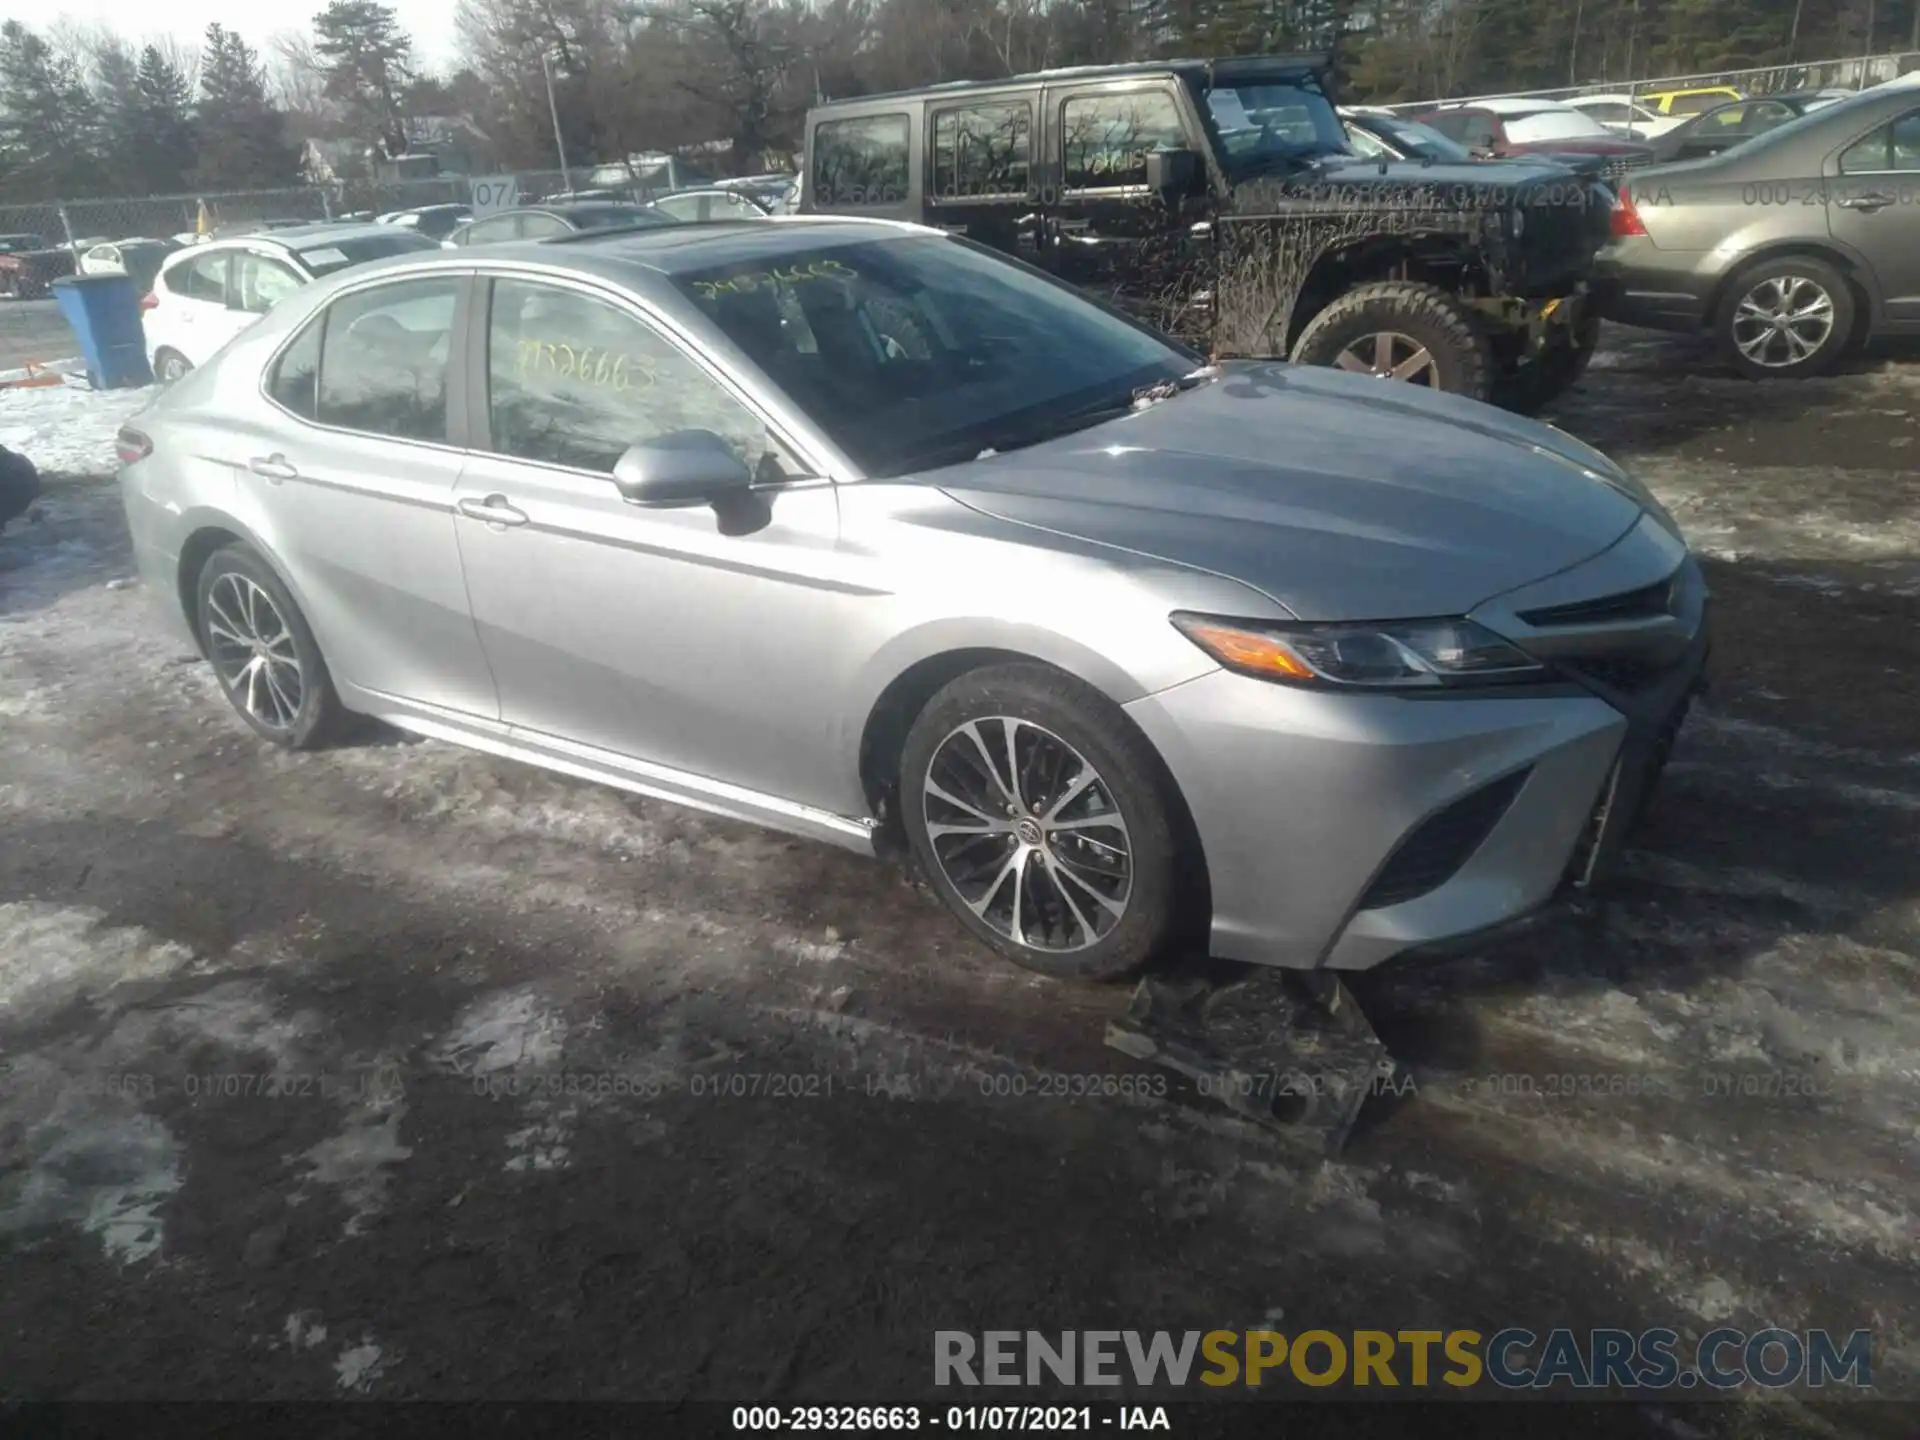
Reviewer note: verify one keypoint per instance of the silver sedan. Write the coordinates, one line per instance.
(859, 531)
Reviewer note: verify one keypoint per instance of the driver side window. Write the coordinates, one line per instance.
(574, 380)
(1105, 139)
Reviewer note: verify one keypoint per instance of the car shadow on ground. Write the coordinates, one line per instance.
(67, 537)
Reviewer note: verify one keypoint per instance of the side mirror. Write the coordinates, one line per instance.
(1173, 174)
(691, 467)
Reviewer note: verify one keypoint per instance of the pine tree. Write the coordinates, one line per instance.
(240, 138)
(49, 125)
(369, 67)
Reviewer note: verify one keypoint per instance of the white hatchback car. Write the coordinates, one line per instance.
(206, 294)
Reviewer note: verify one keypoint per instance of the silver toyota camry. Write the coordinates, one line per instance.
(859, 531)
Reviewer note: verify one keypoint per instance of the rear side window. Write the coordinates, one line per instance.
(486, 232)
(1894, 146)
(202, 278)
(981, 151)
(383, 360)
(296, 374)
(540, 227)
(862, 161)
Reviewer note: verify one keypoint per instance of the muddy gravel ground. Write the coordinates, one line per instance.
(399, 1071)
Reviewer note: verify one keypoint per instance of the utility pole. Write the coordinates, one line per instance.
(553, 108)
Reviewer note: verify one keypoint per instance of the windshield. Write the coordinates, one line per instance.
(916, 353)
(1423, 141)
(326, 257)
(1262, 122)
(1568, 124)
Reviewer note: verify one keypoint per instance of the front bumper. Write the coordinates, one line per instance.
(1342, 829)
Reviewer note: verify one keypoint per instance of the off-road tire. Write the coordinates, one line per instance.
(1130, 775)
(1527, 386)
(320, 715)
(1799, 266)
(1451, 333)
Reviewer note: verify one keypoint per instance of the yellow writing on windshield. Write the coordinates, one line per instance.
(583, 364)
(766, 279)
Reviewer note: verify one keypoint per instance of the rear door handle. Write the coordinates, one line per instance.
(272, 467)
(1871, 201)
(495, 510)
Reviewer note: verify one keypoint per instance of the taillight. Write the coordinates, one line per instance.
(130, 445)
(1626, 219)
(149, 300)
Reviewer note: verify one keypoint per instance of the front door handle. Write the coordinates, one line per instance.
(1871, 201)
(272, 467)
(495, 510)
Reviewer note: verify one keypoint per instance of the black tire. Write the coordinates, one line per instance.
(308, 719)
(1425, 314)
(1130, 781)
(1527, 386)
(1728, 330)
(170, 366)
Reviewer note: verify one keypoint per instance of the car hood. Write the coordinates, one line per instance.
(1339, 496)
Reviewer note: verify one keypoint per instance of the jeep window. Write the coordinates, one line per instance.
(1533, 126)
(1105, 139)
(982, 150)
(1269, 121)
(913, 353)
(860, 161)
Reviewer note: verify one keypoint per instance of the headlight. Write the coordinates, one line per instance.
(1399, 654)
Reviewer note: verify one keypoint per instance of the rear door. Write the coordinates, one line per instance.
(982, 179)
(192, 315)
(1873, 207)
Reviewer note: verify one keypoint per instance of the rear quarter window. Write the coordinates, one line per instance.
(861, 161)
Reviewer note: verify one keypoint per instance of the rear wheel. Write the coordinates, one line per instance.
(1786, 318)
(265, 656)
(170, 366)
(1399, 330)
(1039, 816)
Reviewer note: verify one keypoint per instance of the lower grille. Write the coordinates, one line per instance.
(1438, 846)
(1626, 676)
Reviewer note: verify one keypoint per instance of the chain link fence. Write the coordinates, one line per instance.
(81, 223)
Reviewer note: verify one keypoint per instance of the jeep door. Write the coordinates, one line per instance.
(981, 177)
(1103, 229)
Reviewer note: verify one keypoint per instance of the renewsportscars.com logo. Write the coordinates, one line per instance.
(1511, 1359)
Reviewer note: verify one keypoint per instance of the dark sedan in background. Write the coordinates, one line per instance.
(1787, 247)
(1725, 126)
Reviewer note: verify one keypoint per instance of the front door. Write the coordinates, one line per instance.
(665, 636)
(1870, 208)
(1106, 231)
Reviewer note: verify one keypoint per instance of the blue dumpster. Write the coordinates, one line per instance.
(104, 311)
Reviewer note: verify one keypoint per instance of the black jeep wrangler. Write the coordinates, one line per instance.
(1218, 201)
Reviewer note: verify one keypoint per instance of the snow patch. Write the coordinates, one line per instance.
(304, 1331)
(514, 1030)
(52, 955)
(69, 429)
(358, 1161)
(90, 1159)
(359, 1366)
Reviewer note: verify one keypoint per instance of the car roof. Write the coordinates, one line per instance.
(1612, 97)
(1222, 68)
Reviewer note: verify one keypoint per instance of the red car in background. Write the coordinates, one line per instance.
(1534, 127)
(28, 267)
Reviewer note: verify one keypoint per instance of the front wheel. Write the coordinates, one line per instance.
(1786, 318)
(1399, 330)
(1039, 816)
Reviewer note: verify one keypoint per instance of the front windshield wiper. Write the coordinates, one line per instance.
(1110, 407)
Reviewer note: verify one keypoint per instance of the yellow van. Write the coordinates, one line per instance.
(1688, 102)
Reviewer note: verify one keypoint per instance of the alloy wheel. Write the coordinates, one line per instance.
(1389, 355)
(253, 652)
(1782, 321)
(1027, 833)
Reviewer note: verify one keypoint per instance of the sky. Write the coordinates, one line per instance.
(429, 22)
